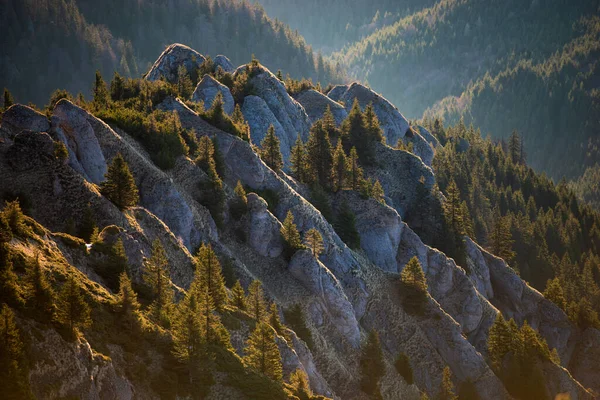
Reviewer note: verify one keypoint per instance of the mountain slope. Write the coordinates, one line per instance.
(71, 38)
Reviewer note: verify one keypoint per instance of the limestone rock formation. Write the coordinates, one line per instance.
(263, 228)
(223, 62)
(169, 61)
(315, 103)
(207, 90)
(260, 118)
(19, 117)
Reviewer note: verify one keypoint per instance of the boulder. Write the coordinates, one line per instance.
(207, 90)
(169, 61)
(19, 117)
(263, 228)
(315, 103)
(260, 118)
(224, 63)
(85, 155)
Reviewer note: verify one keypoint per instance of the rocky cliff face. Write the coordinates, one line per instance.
(207, 90)
(171, 59)
(343, 292)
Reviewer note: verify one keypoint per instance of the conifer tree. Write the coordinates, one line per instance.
(345, 226)
(447, 387)
(217, 112)
(290, 235)
(127, 303)
(42, 298)
(372, 366)
(157, 278)
(499, 341)
(377, 192)
(14, 381)
(8, 99)
(329, 124)
(239, 204)
(314, 241)
(319, 155)
(9, 286)
(373, 130)
(300, 385)
(515, 148)
(184, 83)
(117, 87)
(554, 293)
(238, 296)
(73, 310)
(340, 168)
(501, 240)
(238, 117)
(205, 158)
(294, 318)
(356, 172)
(274, 319)
(208, 270)
(100, 92)
(413, 276)
(453, 213)
(256, 301)
(403, 367)
(213, 196)
(270, 151)
(119, 186)
(298, 166)
(262, 352)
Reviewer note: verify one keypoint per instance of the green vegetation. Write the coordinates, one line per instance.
(403, 367)
(262, 353)
(414, 287)
(291, 236)
(212, 195)
(314, 242)
(13, 374)
(294, 318)
(119, 186)
(208, 271)
(447, 387)
(372, 366)
(270, 151)
(255, 301)
(73, 309)
(158, 279)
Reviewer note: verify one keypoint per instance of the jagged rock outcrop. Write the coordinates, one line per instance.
(169, 61)
(260, 118)
(288, 112)
(85, 155)
(263, 228)
(19, 117)
(207, 90)
(224, 62)
(428, 136)
(315, 103)
(584, 363)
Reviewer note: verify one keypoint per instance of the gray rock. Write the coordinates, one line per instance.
(315, 103)
(421, 147)
(207, 90)
(428, 136)
(259, 118)
(169, 61)
(584, 363)
(19, 117)
(224, 63)
(263, 228)
(85, 155)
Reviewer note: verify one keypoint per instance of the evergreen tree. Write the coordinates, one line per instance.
(501, 240)
(413, 276)
(294, 318)
(217, 112)
(100, 92)
(515, 148)
(14, 381)
(119, 186)
(319, 155)
(157, 278)
(356, 172)
(499, 341)
(262, 352)
(298, 166)
(116, 263)
(453, 214)
(300, 384)
(185, 87)
(42, 299)
(314, 241)
(447, 387)
(238, 296)
(117, 87)
(9, 286)
(329, 124)
(208, 269)
(270, 151)
(8, 99)
(274, 319)
(373, 130)
(212, 194)
(345, 226)
(256, 301)
(73, 310)
(377, 192)
(290, 235)
(239, 204)
(403, 367)
(372, 366)
(340, 168)
(554, 293)
(127, 303)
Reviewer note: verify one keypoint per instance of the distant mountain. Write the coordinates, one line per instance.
(69, 39)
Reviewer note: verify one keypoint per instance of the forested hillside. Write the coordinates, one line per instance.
(70, 39)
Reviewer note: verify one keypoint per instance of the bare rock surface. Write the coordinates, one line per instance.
(207, 90)
(169, 61)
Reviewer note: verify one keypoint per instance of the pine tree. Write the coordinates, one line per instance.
(184, 83)
(9, 286)
(290, 235)
(298, 166)
(294, 318)
(73, 310)
(329, 124)
(119, 186)
(499, 341)
(212, 194)
(356, 172)
(217, 112)
(403, 367)
(116, 263)
(262, 352)
(208, 269)
(314, 241)
(42, 299)
(447, 387)
(157, 278)
(453, 214)
(377, 192)
(14, 381)
(8, 99)
(515, 147)
(319, 155)
(127, 303)
(345, 226)
(340, 168)
(554, 293)
(117, 87)
(238, 296)
(256, 301)
(100, 92)
(373, 130)
(270, 151)
(413, 276)
(501, 240)
(274, 319)
(239, 204)
(372, 366)
(300, 385)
